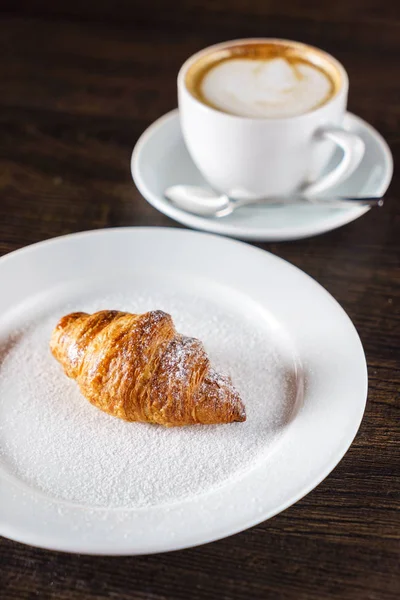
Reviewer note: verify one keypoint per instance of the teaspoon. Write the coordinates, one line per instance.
(206, 203)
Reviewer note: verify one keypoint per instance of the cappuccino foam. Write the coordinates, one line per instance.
(265, 87)
(263, 78)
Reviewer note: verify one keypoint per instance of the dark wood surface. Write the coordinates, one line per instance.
(79, 82)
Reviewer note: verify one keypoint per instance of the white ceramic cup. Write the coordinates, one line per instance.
(254, 157)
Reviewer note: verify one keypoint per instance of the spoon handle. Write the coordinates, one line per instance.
(332, 201)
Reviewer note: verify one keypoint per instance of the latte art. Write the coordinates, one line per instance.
(265, 88)
(264, 79)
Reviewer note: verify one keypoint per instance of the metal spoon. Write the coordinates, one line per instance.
(206, 203)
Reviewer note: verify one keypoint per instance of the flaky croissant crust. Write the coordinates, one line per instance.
(138, 368)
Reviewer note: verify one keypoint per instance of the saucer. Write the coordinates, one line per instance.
(160, 159)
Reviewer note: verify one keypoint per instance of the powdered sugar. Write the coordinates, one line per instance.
(55, 440)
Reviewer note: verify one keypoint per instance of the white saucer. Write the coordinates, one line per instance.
(160, 159)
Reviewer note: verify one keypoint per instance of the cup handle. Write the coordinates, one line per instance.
(353, 151)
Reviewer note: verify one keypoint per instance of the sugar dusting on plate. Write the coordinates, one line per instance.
(54, 440)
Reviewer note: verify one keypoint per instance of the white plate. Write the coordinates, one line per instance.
(73, 478)
(160, 159)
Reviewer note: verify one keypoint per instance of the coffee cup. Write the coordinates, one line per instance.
(264, 116)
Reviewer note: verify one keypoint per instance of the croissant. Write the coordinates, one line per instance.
(138, 368)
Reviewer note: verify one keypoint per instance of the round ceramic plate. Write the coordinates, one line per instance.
(76, 479)
(160, 159)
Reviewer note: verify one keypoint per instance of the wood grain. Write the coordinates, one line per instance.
(79, 82)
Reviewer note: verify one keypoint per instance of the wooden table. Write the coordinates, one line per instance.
(79, 84)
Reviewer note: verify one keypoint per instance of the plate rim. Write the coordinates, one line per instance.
(265, 234)
(256, 519)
